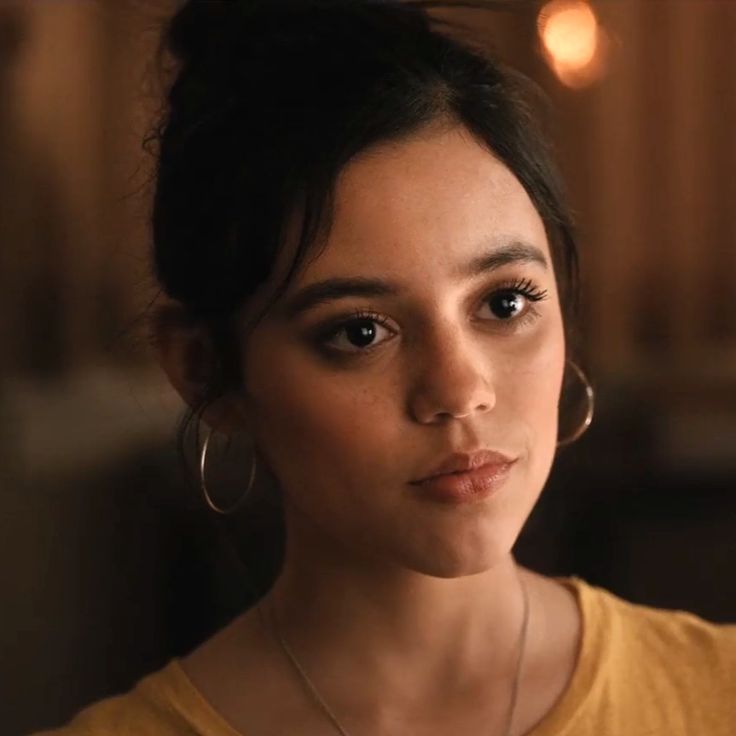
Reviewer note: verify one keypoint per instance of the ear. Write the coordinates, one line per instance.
(185, 351)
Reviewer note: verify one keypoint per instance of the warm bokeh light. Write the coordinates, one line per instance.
(572, 40)
(570, 32)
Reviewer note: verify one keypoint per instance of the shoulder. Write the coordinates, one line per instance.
(643, 670)
(668, 636)
(670, 656)
(153, 707)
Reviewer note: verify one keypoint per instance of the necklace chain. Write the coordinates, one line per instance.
(312, 690)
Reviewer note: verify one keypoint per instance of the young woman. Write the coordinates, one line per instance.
(371, 274)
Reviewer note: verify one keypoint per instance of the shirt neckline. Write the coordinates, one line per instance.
(191, 703)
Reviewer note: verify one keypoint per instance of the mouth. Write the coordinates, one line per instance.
(459, 463)
(460, 486)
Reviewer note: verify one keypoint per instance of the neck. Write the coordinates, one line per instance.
(411, 637)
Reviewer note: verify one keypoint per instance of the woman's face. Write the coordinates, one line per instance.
(347, 410)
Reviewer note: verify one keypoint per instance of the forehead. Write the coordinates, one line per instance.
(412, 212)
(425, 202)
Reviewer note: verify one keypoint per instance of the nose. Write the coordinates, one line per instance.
(453, 379)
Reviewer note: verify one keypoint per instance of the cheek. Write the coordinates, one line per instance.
(321, 432)
(536, 392)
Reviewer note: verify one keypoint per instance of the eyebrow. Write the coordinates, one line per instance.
(322, 292)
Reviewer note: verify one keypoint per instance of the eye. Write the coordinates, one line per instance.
(507, 304)
(359, 333)
(510, 301)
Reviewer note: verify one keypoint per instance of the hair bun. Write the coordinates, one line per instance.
(195, 25)
(200, 25)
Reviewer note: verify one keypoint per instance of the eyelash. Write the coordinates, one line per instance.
(523, 287)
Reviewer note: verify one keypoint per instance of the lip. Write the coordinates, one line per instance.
(462, 462)
(463, 487)
(464, 477)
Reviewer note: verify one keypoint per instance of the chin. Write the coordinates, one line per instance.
(448, 559)
(454, 569)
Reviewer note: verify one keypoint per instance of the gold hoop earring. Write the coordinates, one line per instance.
(590, 397)
(207, 498)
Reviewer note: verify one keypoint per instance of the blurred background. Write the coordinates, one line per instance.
(109, 561)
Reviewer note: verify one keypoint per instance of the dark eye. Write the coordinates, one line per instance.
(511, 301)
(359, 334)
(507, 304)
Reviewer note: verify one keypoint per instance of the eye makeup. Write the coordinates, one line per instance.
(506, 295)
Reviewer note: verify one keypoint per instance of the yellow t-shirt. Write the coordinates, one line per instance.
(641, 671)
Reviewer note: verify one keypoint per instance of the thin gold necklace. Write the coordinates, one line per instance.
(313, 692)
